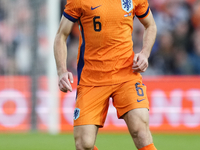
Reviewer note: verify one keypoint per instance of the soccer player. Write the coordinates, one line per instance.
(107, 67)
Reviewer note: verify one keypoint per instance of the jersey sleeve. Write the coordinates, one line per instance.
(142, 9)
(72, 10)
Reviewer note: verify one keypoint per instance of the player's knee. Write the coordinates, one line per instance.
(140, 133)
(140, 130)
(84, 143)
(134, 134)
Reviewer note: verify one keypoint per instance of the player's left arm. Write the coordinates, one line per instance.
(140, 61)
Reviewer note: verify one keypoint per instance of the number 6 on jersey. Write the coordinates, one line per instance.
(97, 24)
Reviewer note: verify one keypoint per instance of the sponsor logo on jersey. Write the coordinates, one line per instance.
(93, 8)
(127, 5)
(76, 113)
(140, 100)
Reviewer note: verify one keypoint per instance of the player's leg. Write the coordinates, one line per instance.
(90, 113)
(85, 137)
(131, 102)
(137, 121)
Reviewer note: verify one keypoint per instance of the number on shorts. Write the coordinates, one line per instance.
(139, 90)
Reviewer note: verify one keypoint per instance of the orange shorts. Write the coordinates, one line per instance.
(93, 101)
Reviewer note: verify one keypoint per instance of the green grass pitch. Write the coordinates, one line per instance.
(105, 141)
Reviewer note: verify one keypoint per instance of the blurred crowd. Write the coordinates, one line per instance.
(16, 37)
(177, 47)
(176, 50)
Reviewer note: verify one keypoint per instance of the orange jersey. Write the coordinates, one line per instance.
(105, 47)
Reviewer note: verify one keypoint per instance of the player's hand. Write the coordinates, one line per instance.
(65, 80)
(140, 62)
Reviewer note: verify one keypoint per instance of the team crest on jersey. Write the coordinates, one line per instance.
(76, 113)
(127, 5)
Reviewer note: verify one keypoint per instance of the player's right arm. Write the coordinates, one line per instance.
(60, 54)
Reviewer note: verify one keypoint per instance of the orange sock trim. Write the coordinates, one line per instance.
(148, 147)
(95, 148)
